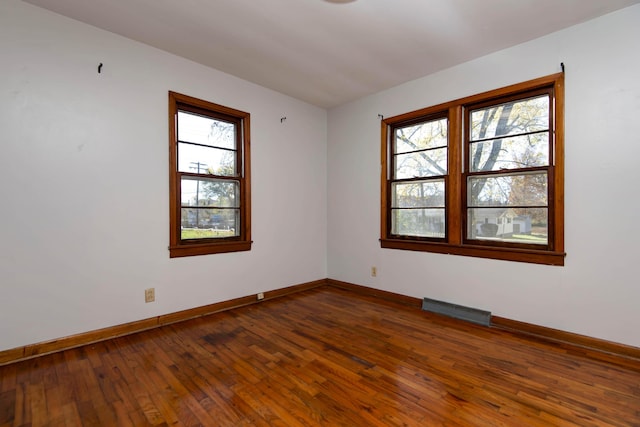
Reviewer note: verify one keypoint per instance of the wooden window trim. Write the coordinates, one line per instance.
(455, 243)
(177, 246)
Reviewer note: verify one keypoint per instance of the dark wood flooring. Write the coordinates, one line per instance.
(324, 357)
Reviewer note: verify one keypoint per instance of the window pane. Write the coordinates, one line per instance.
(511, 118)
(209, 192)
(418, 222)
(431, 134)
(207, 160)
(423, 194)
(510, 153)
(513, 225)
(208, 223)
(508, 190)
(205, 130)
(421, 164)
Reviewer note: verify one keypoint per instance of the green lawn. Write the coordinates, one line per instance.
(532, 238)
(204, 233)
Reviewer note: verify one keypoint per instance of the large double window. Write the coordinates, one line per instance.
(209, 177)
(480, 176)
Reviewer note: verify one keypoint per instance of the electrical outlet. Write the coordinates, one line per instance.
(374, 271)
(260, 296)
(150, 295)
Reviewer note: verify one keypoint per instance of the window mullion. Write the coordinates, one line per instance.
(453, 182)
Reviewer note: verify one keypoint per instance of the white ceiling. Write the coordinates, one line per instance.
(329, 53)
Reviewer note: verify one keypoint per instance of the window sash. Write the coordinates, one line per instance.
(514, 176)
(418, 185)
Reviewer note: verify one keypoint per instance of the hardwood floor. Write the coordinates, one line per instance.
(325, 357)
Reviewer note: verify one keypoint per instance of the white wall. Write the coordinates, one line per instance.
(84, 182)
(597, 292)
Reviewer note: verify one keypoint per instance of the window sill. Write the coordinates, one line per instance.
(518, 255)
(208, 248)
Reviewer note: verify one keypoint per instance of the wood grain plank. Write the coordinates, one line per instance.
(327, 355)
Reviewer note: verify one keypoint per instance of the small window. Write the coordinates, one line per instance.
(481, 176)
(209, 178)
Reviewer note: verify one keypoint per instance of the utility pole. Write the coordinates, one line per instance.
(197, 166)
